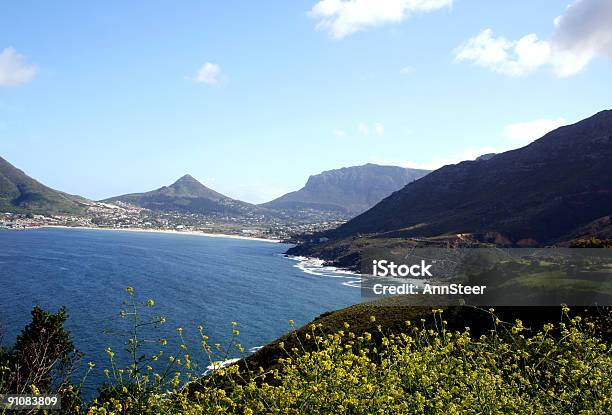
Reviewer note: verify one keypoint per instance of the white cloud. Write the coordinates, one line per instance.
(436, 163)
(379, 128)
(209, 73)
(514, 58)
(407, 70)
(516, 135)
(532, 130)
(581, 33)
(14, 70)
(344, 17)
(363, 129)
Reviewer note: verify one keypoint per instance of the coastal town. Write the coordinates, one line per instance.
(124, 216)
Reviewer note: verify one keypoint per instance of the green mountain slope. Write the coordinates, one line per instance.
(19, 193)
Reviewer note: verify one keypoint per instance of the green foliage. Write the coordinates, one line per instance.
(565, 367)
(427, 365)
(42, 360)
(150, 379)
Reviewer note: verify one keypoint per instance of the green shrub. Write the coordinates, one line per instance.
(564, 368)
(423, 367)
(42, 360)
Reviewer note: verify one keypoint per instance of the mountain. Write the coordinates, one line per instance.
(600, 228)
(535, 195)
(487, 156)
(186, 195)
(20, 193)
(348, 191)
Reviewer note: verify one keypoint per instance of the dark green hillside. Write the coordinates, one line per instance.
(391, 315)
(540, 194)
(19, 193)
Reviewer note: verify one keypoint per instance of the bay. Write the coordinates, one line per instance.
(192, 279)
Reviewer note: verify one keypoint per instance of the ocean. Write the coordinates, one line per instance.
(194, 280)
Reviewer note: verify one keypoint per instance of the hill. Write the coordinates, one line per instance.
(540, 194)
(348, 191)
(391, 315)
(19, 193)
(186, 195)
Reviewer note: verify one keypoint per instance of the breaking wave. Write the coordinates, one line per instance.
(315, 266)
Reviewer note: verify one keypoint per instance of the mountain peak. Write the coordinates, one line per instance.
(187, 178)
(186, 194)
(189, 186)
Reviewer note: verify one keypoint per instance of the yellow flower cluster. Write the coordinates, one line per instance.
(564, 368)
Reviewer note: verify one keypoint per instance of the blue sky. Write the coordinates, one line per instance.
(105, 98)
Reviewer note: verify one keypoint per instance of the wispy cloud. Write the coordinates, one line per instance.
(344, 17)
(363, 129)
(454, 158)
(210, 74)
(379, 129)
(14, 69)
(256, 192)
(340, 133)
(514, 58)
(528, 131)
(581, 33)
(407, 70)
(515, 135)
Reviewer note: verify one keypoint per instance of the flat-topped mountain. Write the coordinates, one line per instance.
(186, 195)
(539, 194)
(19, 193)
(347, 191)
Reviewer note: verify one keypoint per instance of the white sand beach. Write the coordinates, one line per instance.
(169, 231)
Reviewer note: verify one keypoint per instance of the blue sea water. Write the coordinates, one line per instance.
(193, 279)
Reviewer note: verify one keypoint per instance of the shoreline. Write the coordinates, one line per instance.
(318, 267)
(166, 231)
